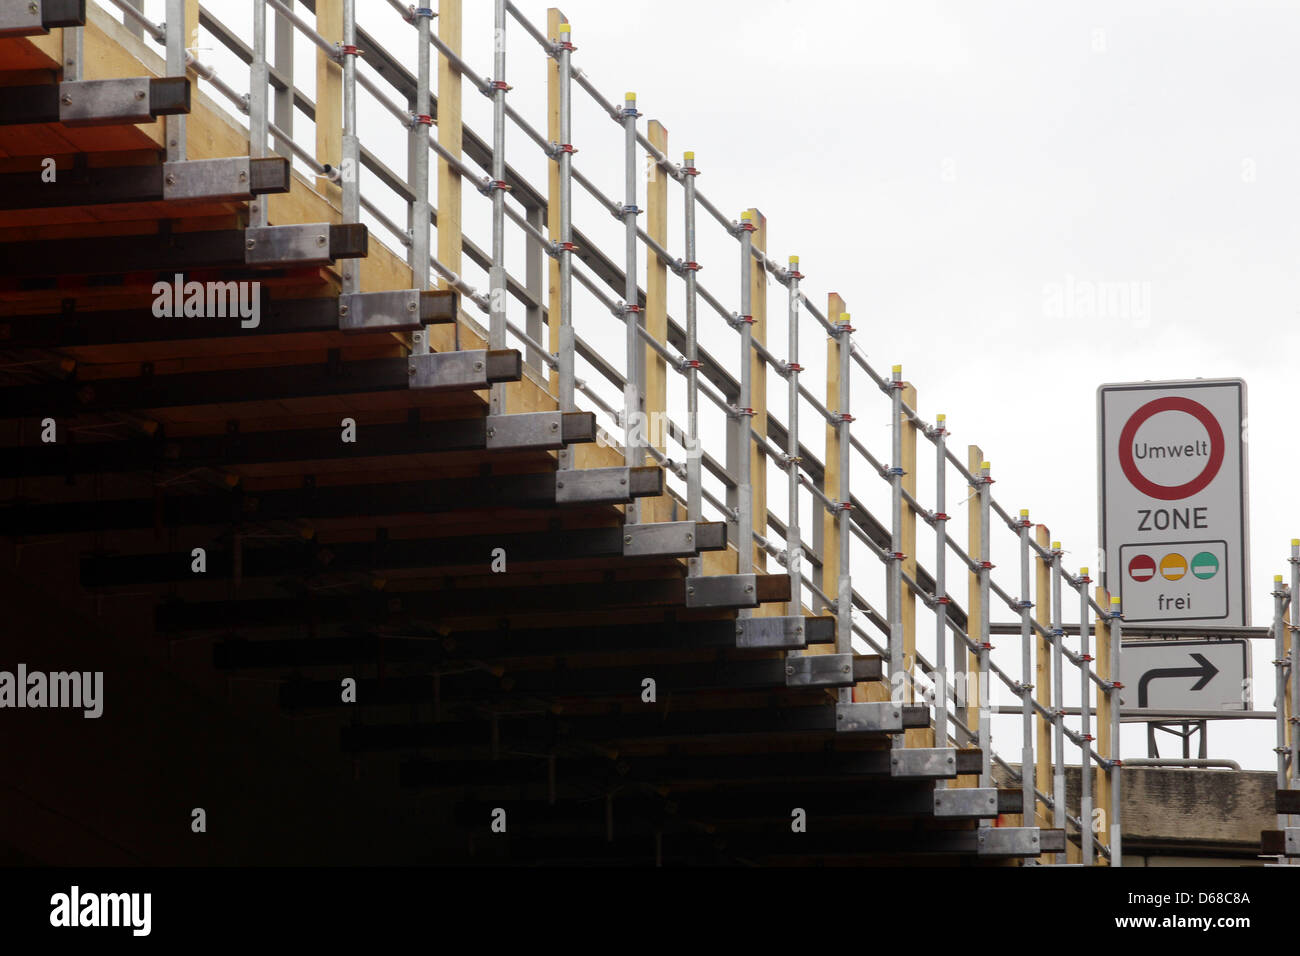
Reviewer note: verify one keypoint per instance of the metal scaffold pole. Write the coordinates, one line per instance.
(632, 389)
(744, 411)
(565, 356)
(497, 280)
(1058, 697)
(1085, 721)
(941, 680)
(1026, 677)
(793, 547)
(350, 167)
(694, 480)
(1281, 600)
(257, 107)
(421, 211)
(844, 592)
(986, 566)
(894, 604)
(1289, 706)
(1116, 642)
(175, 28)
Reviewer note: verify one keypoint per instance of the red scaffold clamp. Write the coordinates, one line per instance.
(348, 49)
(421, 119)
(940, 516)
(987, 565)
(793, 367)
(844, 418)
(796, 274)
(943, 600)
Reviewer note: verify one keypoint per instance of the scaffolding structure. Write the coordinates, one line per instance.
(833, 564)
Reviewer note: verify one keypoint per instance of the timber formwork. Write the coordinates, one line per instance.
(389, 587)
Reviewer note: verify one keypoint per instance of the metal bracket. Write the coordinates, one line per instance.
(391, 311)
(1008, 841)
(449, 371)
(21, 19)
(783, 632)
(587, 486)
(819, 670)
(215, 180)
(103, 102)
(668, 539)
(722, 590)
(302, 244)
(969, 802)
(931, 763)
(542, 430)
(873, 717)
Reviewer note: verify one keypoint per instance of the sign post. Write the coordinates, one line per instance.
(1174, 509)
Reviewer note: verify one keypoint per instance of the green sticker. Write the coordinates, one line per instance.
(1205, 565)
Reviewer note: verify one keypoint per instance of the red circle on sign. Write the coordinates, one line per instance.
(1142, 568)
(1171, 403)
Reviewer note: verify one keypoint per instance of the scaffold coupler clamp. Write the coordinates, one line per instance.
(554, 49)
(735, 411)
(345, 49)
(842, 418)
(745, 225)
(939, 516)
(896, 471)
(621, 309)
(736, 320)
(554, 150)
(986, 565)
(843, 506)
(556, 248)
(791, 461)
(489, 185)
(844, 328)
(1024, 605)
(1023, 688)
(686, 363)
(490, 87)
(419, 119)
(785, 368)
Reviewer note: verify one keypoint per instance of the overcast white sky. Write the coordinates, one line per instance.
(960, 172)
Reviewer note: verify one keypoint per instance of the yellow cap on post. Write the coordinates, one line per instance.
(564, 27)
(1024, 512)
(897, 370)
(630, 96)
(1295, 542)
(794, 260)
(941, 417)
(1083, 572)
(1277, 579)
(985, 465)
(689, 156)
(1114, 600)
(1056, 546)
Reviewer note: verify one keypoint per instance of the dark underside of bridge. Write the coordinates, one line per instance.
(477, 690)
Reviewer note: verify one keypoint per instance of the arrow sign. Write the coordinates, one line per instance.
(1206, 672)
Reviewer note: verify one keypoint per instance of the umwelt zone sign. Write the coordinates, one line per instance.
(1173, 487)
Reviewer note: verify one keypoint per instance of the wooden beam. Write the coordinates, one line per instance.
(450, 137)
(553, 20)
(655, 370)
(329, 100)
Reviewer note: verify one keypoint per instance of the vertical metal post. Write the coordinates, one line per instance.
(694, 483)
(1085, 721)
(1116, 643)
(421, 121)
(844, 592)
(534, 278)
(744, 411)
(1058, 698)
(940, 583)
(175, 124)
(74, 51)
(1279, 686)
(497, 280)
(635, 352)
(793, 534)
(986, 704)
(565, 356)
(1026, 678)
(1290, 706)
(284, 109)
(894, 602)
(257, 105)
(350, 166)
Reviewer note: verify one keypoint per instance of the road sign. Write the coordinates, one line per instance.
(1179, 676)
(1173, 489)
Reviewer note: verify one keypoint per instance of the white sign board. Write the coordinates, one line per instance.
(1174, 529)
(1183, 676)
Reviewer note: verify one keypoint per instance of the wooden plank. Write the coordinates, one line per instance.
(329, 100)
(655, 378)
(553, 20)
(450, 138)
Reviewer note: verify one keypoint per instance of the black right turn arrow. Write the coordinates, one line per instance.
(1205, 672)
